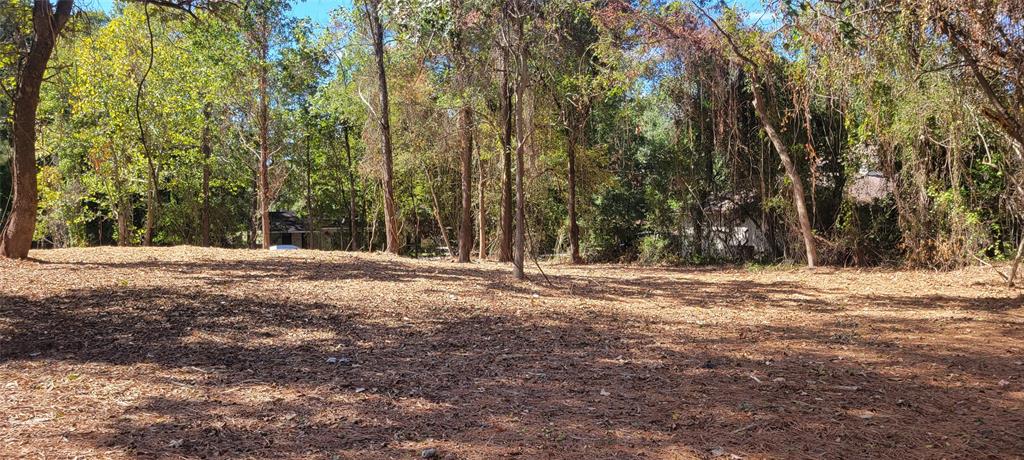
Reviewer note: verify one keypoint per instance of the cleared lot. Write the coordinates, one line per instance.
(189, 352)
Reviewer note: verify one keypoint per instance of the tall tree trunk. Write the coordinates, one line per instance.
(791, 172)
(47, 24)
(481, 208)
(207, 153)
(465, 143)
(314, 235)
(780, 146)
(352, 243)
(263, 122)
(152, 195)
(505, 115)
(466, 222)
(384, 122)
(519, 250)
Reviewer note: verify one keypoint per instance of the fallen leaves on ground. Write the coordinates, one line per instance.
(205, 353)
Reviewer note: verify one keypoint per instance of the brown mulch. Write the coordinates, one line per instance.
(205, 353)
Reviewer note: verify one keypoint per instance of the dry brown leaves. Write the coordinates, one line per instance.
(205, 353)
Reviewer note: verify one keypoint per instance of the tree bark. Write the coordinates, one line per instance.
(466, 222)
(384, 122)
(263, 122)
(122, 208)
(574, 230)
(505, 115)
(206, 150)
(1016, 263)
(151, 202)
(791, 172)
(122, 223)
(313, 235)
(780, 146)
(481, 208)
(47, 24)
(519, 250)
(352, 243)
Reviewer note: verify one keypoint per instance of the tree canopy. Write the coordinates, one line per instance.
(819, 132)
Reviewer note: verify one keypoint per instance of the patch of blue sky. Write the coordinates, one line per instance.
(318, 11)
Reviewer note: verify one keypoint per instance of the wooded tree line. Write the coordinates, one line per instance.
(823, 132)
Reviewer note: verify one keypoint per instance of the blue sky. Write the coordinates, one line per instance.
(319, 10)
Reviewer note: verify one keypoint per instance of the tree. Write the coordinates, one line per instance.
(755, 68)
(575, 86)
(371, 9)
(47, 23)
(465, 138)
(520, 56)
(506, 110)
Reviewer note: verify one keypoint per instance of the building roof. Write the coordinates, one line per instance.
(286, 222)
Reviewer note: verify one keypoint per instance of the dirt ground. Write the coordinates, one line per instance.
(205, 353)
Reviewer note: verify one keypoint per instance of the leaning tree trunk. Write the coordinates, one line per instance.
(780, 146)
(1011, 278)
(384, 122)
(436, 208)
(791, 172)
(47, 24)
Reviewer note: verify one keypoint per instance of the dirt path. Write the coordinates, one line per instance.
(197, 353)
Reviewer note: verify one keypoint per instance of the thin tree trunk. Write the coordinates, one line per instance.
(46, 26)
(151, 202)
(122, 224)
(352, 243)
(519, 250)
(263, 121)
(313, 234)
(780, 146)
(373, 230)
(254, 211)
(122, 208)
(505, 246)
(791, 172)
(152, 198)
(206, 150)
(1016, 263)
(466, 222)
(574, 230)
(481, 208)
(436, 208)
(384, 122)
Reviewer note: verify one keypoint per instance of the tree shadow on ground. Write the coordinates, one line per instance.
(217, 375)
(587, 286)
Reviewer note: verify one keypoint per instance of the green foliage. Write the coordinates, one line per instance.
(657, 106)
